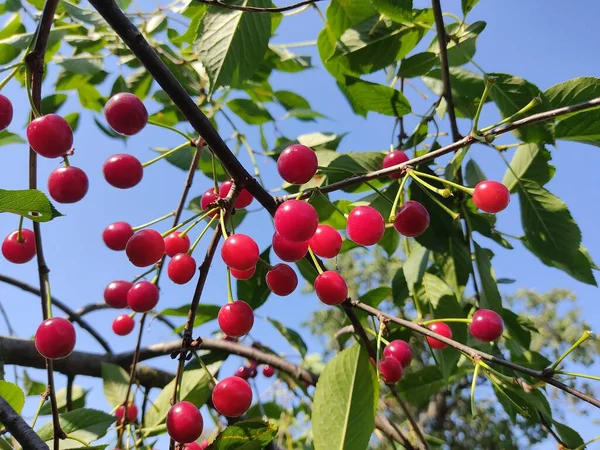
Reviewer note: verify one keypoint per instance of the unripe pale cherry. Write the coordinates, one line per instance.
(326, 242)
(55, 338)
(210, 196)
(126, 114)
(243, 274)
(486, 325)
(50, 136)
(232, 396)
(123, 325)
(19, 249)
(236, 319)
(390, 369)
(289, 251)
(145, 247)
(123, 171)
(240, 252)
(184, 422)
(174, 243)
(116, 235)
(491, 196)
(132, 413)
(243, 200)
(6, 112)
(297, 164)
(115, 294)
(282, 279)
(400, 350)
(393, 159)
(442, 329)
(296, 220)
(365, 226)
(143, 296)
(331, 288)
(68, 184)
(412, 219)
(181, 268)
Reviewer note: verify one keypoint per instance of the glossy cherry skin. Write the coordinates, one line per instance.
(55, 338)
(243, 200)
(243, 372)
(486, 325)
(207, 198)
(181, 268)
(123, 325)
(297, 164)
(132, 413)
(365, 226)
(391, 370)
(144, 248)
(289, 251)
(412, 219)
(331, 288)
(6, 112)
(174, 244)
(116, 235)
(491, 196)
(326, 242)
(243, 274)
(236, 319)
(232, 396)
(126, 114)
(19, 252)
(268, 371)
(440, 328)
(115, 294)
(393, 159)
(184, 422)
(282, 280)
(196, 446)
(400, 350)
(240, 252)
(68, 184)
(50, 136)
(123, 171)
(296, 220)
(143, 296)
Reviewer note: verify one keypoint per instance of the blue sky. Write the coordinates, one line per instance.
(545, 42)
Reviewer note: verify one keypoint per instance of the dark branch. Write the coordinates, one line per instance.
(256, 9)
(19, 429)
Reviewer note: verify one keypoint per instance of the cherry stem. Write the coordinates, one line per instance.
(398, 200)
(196, 222)
(315, 260)
(20, 230)
(250, 151)
(222, 223)
(48, 297)
(66, 161)
(586, 335)
(444, 181)
(374, 333)
(445, 193)
(265, 263)
(473, 386)
(166, 154)
(75, 438)
(229, 288)
(532, 104)
(185, 222)
(333, 205)
(39, 409)
(579, 375)
(201, 235)
(34, 109)
(147, 272)
(368, 183)
(10, 76)
(451, 213)
(168, 127)
(214, 173)
(199, 359)
(591, 441)
(452, 319)
(378, 354)
(489, 82)
(160, 219)
(500, 375)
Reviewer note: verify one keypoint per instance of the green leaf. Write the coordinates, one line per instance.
(420, 386)
(8, 138)
(571, 92)
(390, 241)
(271, 409)
(519, 328)
(582, 127)
(345, 402)
(568, 435)
(250, 112)
(84, 15)
(32, 387)
(115, 381)
(291, 336)
(473, 173)
(78, 398)
(233, 43)
(530, 162)
(255, 290)
(468, 5)
(490, 295)
(417, 65)
(12, 26)
(195, 12)
(461, 47)
(13, 395)
(73, 120)
(291, 100)
(86, 424)
(418, 136)
(397, 10)
(414, 266)
(375, 296)
(84, 64)
(245, 435)
(52, 103)
(205, 313)
(27, 202)
(377, 97)
(399, 288)
(551, 233)
(307, 270)
(343, 14)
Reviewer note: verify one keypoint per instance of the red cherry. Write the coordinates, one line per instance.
(491, 196)
(243, 200)
(400, 350)
(232, 396)
(243, 274)
(282, 279)
(184, 422)
(123, 325)
(144, 248)
(240, 252)
(115, 294)
(203, 445)
(123, 171)
(6, 112)
(132, 413)
(196, 446)
(236, 319)
(393, 159)
(143, 296)
(331, 288)
(68, 184)
(207, 198)
(440, 328)
(288, 251)
(243, 372)
(487, 325)
(174, 244)
(365, 226)
(296, 220)
(252, 368)
(326, 242)
(297, 164)
(50, 136)
(412, 219)
(268, 371)
(19, 251)
(126, 114)
(55, 338)
(391, 370)
(116, 235)
(181, 268)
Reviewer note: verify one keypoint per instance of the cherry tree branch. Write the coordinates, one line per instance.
(257, 9)
(19, 429)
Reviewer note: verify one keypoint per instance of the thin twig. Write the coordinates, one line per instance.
(256, 9)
